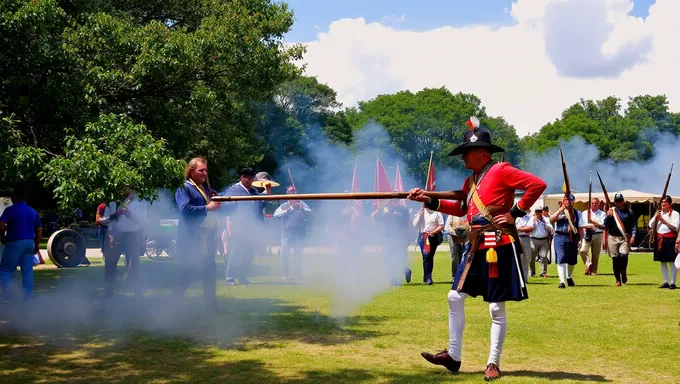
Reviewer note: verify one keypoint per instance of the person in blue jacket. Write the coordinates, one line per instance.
(196, 230)
(245, 223)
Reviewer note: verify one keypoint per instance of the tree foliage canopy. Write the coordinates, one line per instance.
(96, 96)
(188, 70)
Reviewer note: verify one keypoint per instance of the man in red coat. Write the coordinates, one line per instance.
(491, 266)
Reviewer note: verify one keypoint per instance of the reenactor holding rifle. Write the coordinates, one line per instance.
(492, 267)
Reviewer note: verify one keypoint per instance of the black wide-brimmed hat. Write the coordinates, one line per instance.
(476, 138)
(248, 172)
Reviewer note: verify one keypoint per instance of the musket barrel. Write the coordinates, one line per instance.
(445, 195)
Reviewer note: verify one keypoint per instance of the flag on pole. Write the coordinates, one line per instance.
(381, 184)
(431, 183)
(292, 183)
(354, 208)
(399, 184)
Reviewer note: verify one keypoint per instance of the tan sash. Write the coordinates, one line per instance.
(572, 227)
(619, 224)
(210, 220)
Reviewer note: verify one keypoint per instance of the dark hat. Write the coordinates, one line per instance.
(618, 196)
(476, 138)
(546, 208)
(667, 199)
(247, 172)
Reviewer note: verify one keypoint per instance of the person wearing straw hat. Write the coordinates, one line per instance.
(245, 221)
(492, 267)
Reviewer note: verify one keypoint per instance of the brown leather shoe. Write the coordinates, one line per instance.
(442, 358)
(492, 372)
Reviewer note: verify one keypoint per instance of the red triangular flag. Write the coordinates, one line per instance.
(381, 184)
(431, 183)
(399, 184)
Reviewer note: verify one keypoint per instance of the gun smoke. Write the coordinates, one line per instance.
(74, 306)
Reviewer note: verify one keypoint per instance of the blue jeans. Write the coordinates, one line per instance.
(17, 253)
(241, 253)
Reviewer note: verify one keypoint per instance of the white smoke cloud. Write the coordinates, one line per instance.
(555, 54)
(581, 158)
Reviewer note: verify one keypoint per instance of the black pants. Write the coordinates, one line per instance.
(428, 257)
(395, 255)
(620, 264)
(130, 244)
(203, 267)
(456, 256)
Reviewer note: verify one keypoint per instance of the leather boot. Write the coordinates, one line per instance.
(442, 358)
(492, 372)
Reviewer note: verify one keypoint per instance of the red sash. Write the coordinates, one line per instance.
(668, 235)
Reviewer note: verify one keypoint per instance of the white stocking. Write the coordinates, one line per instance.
(499, 327)
(664, 271)
(561, 272)
(570, 270)
(456, 322)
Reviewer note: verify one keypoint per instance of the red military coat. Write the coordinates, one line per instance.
(496, 188)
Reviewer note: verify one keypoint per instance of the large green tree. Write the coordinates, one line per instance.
(302, 112)
(431, 120)
(620, 135)
(190, 71)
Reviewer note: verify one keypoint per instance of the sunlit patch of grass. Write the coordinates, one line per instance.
(285, 333)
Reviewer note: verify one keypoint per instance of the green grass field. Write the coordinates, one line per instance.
(280, 332)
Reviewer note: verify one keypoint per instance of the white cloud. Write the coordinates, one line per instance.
(555, 54)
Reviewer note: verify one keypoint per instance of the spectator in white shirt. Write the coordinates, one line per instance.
(592, 236)
(666, 223)
(430, 225)
(524, 230)
(126, 227)
(540, 248)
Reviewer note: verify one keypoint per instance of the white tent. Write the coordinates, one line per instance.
(630, 195)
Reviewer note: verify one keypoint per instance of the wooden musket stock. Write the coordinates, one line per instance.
(445, 195)
(652, 239)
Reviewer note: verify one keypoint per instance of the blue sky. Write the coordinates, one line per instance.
(314, 16)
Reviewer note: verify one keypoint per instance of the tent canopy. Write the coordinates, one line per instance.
(630, 195)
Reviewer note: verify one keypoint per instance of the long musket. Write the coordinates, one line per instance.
(590, 195)
(652, 239)
(617, 219)
(445, 195)
(292, 183)
(567, 192)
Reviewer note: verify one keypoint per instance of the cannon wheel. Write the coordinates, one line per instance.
(66, 248)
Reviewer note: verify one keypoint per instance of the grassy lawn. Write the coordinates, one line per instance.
(318, 331)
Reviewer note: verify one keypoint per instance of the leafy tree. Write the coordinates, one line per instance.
(114, 154)
(431, 120)
(190, 71)
(301, 112)
(619, 135)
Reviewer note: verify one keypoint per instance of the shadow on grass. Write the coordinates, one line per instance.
(145, 360)
(556, 375)
(68, 309)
